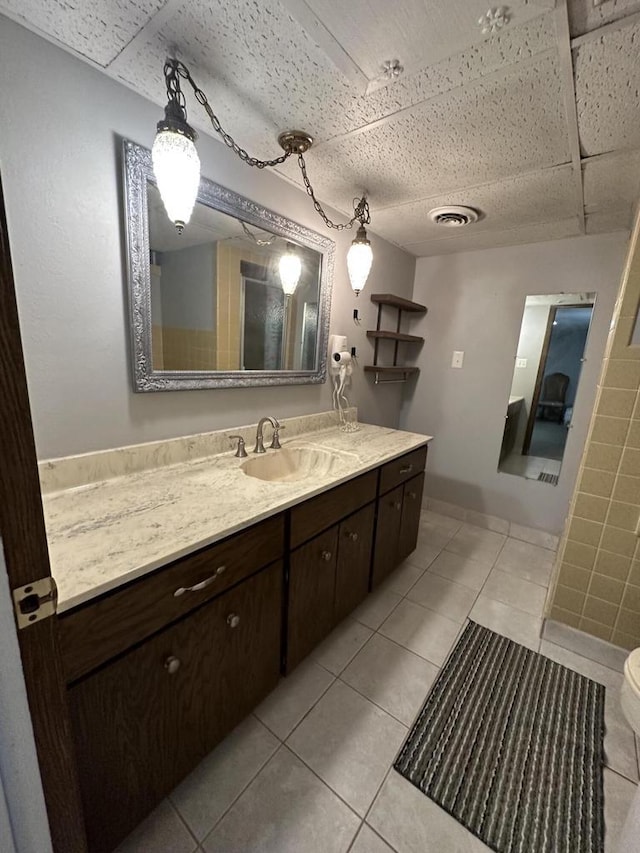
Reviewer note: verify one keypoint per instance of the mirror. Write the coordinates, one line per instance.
(548, 363)
(208, 308)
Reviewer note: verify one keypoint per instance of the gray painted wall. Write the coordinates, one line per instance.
(187, 286)
(475, 301)
(60, 163)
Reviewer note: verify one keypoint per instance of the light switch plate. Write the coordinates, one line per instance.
(521, 362)
(458, 358)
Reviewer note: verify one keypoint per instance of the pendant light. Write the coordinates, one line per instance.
(290, 267)
(177, 169)
(359, 260)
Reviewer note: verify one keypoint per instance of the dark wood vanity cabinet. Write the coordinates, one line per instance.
(410, 522)
(143, 722)
(355, 547)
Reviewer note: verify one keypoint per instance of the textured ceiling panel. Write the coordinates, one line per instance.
(490, 240)
(98, 31)
(610, 220)
(471, 136)
(267, 63)
(418, 32)
(607, 79)
(584, 16)
(611, 181)
(526, 200)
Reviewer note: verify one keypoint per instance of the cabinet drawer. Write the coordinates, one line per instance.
(327, 509)
(407, 466)
(102, 629)
(141, 723)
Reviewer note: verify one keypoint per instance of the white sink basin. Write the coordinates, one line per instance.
(294, 463)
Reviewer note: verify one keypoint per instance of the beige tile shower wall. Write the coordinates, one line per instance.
(228, 298)
(598, 584)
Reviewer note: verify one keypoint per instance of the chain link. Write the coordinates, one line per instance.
(174, 69)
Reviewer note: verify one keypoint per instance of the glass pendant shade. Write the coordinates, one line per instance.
(176, 166)
(290, 268)
(359, 260)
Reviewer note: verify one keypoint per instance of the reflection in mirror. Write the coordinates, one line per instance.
(553, 337)
(217, 298)
(240, 298)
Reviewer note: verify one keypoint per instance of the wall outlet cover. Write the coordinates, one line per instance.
(458, 358)
(521, 362)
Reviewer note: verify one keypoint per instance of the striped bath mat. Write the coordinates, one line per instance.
(510, 744)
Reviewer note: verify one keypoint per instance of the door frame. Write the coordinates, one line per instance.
(542, 364)
(23, 533)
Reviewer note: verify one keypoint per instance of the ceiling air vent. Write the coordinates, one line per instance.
(453, 217)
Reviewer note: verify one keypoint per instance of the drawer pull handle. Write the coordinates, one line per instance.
(172, 664)
(412, 495)
(326, 556)
(233, 620)
(202, 585)
(352, 536)
(407, 469)
(396, 505)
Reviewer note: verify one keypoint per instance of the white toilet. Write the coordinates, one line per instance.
(630, 692)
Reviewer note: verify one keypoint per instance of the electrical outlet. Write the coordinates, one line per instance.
(521, 362)
(458, 358)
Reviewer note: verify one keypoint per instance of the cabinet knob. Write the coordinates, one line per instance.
(172, 664)
(326, 556)
(406, 469)
(233, 620)
(353, 537)
(396, 505)
(412, 495)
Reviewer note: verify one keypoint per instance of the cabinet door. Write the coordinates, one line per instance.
(144, 721)
(355, 543)
(411, 506)
(385, 552)
(312, 582)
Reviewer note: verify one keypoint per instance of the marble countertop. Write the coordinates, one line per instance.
(105, 534)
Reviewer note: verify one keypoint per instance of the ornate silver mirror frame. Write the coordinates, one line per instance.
(138, 173)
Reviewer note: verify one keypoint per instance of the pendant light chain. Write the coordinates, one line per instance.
(361, 211)
(178, 68)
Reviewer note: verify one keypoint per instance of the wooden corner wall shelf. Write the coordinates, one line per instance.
(394, 372)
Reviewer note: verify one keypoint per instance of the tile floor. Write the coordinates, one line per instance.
(310, 770)
(529, 467)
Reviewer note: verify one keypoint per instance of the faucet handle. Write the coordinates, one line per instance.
(240, 450)
(275, 441)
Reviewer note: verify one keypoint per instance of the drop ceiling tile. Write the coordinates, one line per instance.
(417, 32)
(607, 221)
(607, 80)
(481, 133)
(585, 16)
(489, 240)
(611, 181)
(524, 200)
(97, 31)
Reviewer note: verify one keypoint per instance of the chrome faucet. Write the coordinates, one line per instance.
(275, 443)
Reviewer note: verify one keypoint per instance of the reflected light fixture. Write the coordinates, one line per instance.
(177, 169)
(290, 267)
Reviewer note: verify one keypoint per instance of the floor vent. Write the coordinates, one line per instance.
(549, 478)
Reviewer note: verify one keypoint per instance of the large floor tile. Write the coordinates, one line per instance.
(392, 677)
(350, 743)
(424, 554)
(461, 570)
(403, 578)
(535, 537)
(596, 671)
(584, 644)
(432, 536)
(368, 842)
(618, 794)
(283, 709)
(161, 832)
(450, 599)
(476, 543)
(422, 631)
(211, 788)
(526, 561)
(412, 823)
(446, 523)
(490, 522)
(516, 592)
(342, 645)
(514, 624)
(286, 809)
(619, 740)
(376, 607)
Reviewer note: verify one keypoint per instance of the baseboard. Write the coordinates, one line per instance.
(542, 538)
(583, 644)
